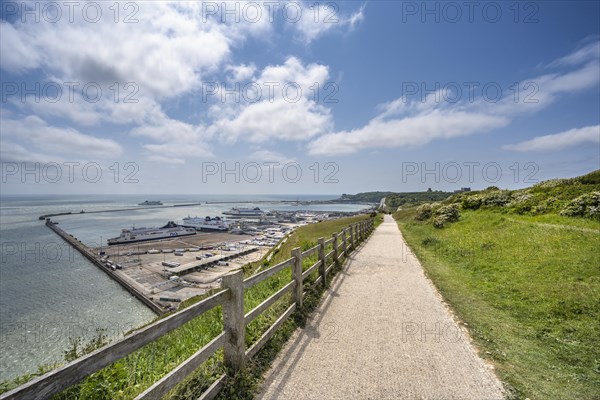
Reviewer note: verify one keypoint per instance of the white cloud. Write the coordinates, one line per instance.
(292, 71)
(264, 121)
(88, 113)
(319, 18)
(241, 73)
(269, 156)
(409, 131)
(166, 160)
(177, 139)
(164, 129)
(589, 52)
(559, 141)
(180, 149)
(16, 56)
(59, 140)
(540, 92)
(277, 114)
(166, 53)
(12, 152)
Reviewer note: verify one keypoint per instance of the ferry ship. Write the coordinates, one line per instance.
(245, 212)
(170, 230)
(206, 224)
(151, 203)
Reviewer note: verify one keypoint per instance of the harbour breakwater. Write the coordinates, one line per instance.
(91, 256)
(288, 202)
(46, 216)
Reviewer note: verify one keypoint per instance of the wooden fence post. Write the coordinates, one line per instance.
(350, 238)
(344, 246)
(297, 276)
(336, 257)
(234, 350)
(322, 259)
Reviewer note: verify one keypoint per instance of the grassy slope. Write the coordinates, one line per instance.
(307, 236)
(128, 377)
(529, 292)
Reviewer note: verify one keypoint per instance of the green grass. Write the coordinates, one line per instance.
(131, 375)
(529, 292)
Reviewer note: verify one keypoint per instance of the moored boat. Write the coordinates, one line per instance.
(170, 230)
(206, 224)
(151, 203)
(245, 212)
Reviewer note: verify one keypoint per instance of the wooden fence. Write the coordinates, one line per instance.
(232, 338)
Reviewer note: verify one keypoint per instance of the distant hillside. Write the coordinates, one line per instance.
(396, 200)
(370, 197)
(393, 200)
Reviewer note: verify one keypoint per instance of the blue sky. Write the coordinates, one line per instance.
(399, 96)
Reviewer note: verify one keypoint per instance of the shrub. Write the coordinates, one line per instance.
(552, 183)
(446, 214)
(522, 203)
(438, 222)
(586, 205)
(471, 203)
(497, 198)
(424, 212)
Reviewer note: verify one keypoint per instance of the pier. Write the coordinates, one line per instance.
(90, 255)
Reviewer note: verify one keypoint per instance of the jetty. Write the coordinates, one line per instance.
(91, 256)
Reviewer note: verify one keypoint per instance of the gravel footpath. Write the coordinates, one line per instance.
(381, 332)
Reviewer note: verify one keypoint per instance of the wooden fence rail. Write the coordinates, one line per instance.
(232, 338)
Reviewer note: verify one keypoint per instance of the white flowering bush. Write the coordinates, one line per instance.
(496, 198)
(471, 202)
(446, 214)
(521, 198)
(552, 183)
(586, 205)
(424, 212)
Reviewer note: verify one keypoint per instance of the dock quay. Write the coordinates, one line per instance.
(204, 262)
(141, 267)
(89, 254)
(166, 272)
